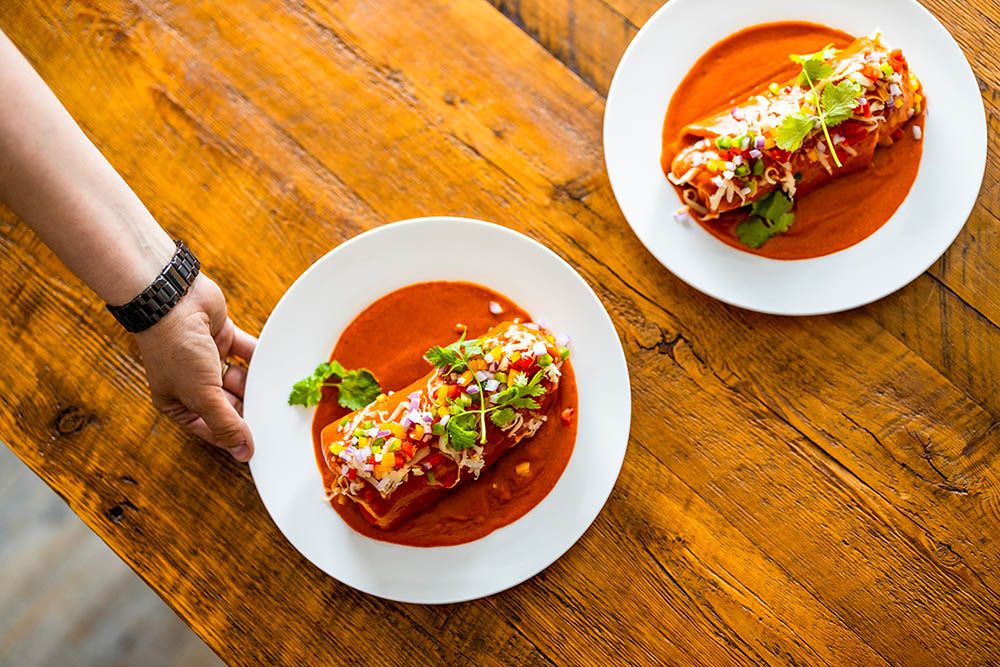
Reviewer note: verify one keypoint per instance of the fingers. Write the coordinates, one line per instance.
(235, 380)
(243, 344)
(227, 429)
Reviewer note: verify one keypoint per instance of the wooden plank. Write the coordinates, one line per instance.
(824, 456)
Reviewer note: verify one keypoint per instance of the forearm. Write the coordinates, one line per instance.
(61, 186)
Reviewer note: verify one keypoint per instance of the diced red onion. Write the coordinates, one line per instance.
(917, 132)
(737, 159)
(428, 418)
(737, 113)
(562, 340)
(538, 349)
(755, 154)
(472, 390)
(384, 433)
(405, 422)
(495, 308)
(482, 376)
(444, 420)
(759, 142)
(890, 103)
(730, 166)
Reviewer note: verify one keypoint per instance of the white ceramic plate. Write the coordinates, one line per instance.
(923, 227)
(304, 328)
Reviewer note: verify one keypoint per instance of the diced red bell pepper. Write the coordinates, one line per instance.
(399, 460)
(407, 449)
(371, 459)
(725, 155)
(567, 416)
(352, 474)
(523, 363)
(454, 390)
(779, 154)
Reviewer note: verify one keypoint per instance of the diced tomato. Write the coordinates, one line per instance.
(853, 131)
(524, 362)
(399, 460)
(725, 155)
(454, 390)
(567, 416)
(407, 449)
(371, 459)
(779, 154)
(352, 474)
(866, 109)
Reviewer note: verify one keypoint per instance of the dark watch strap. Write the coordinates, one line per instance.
(156, 300)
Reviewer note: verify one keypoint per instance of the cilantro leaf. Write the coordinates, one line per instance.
(455, 356)
(306, 392)
(461, 431)
(502, 417)
(443, 356)
(813, 67)
(839, 101)
(358, 389)
(355, 389)
(794, 128)
(770, 215)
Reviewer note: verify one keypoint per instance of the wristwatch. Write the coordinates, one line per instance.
(156, 300)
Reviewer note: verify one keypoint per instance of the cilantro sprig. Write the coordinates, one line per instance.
(467, 424)
(455, 356)
(355, 389)
(833, 103)
(770, 215)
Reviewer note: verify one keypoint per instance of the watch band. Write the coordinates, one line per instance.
(163, 294)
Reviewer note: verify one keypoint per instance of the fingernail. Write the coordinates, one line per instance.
(240, 452)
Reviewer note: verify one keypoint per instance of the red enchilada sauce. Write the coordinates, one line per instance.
(831, 218)
(390, 338)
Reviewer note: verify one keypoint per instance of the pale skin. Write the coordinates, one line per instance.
(61, 186)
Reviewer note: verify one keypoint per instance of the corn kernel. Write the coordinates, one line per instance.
(362, 442)
(497, 352)
(515, 356)
(442, 411)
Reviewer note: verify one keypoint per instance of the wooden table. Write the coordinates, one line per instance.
(797, 490)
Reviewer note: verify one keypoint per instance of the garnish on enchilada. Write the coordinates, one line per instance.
(401, 453)
(759, 156)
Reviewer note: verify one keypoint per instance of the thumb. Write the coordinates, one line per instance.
(227, 427)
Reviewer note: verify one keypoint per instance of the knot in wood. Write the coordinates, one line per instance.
(70, 420)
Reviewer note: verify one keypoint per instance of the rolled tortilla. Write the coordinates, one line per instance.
(392, 457)
(711, 178)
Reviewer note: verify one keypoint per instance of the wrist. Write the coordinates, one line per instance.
(135, 268)
(164, 292)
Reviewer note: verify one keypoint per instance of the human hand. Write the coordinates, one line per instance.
(184, 355)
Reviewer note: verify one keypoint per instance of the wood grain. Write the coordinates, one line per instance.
(797, 491)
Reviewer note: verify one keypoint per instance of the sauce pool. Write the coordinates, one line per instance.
(389, 338)
(831, 218)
